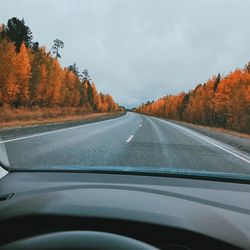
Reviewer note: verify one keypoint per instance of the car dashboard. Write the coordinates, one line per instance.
(164, 212)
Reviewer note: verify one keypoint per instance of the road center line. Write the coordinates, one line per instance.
(209, 140)
(130, 138)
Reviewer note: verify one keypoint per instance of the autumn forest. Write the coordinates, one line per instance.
(31, 77)
(222, 101)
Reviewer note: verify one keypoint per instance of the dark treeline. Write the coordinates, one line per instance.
(220, 102)
(32, 76)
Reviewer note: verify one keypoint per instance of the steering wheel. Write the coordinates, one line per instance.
(91, 240)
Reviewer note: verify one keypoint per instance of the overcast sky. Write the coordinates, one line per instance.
(139, 50)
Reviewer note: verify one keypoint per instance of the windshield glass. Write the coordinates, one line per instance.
(126, 86)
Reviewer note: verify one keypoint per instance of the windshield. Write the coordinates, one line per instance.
(159, 87)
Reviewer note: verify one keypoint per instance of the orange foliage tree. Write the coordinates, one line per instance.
(8, 84)
(22, 69)
(30, 76)
(221, 101)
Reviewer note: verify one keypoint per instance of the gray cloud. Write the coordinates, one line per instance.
(142, 49)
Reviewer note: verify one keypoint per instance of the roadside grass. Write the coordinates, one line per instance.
(10, 117)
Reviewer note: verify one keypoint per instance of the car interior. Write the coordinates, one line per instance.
(56, 210)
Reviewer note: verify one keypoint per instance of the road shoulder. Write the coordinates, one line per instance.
(237, 140)
(14, 132)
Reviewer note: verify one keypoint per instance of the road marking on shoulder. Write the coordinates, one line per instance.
(211, 141)
(130, 138)
(59, 130)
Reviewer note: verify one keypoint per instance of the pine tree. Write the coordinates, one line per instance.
(19, 33)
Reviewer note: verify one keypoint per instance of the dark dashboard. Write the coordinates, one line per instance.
(165, 212)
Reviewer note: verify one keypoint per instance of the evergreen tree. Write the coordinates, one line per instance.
(19, 33)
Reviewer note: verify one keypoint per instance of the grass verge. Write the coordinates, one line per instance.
(14, 118)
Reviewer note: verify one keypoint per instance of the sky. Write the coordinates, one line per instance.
(139, 50)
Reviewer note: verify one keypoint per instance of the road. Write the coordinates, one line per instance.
(130, 140)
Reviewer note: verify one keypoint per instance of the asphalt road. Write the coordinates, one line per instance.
(130, 140)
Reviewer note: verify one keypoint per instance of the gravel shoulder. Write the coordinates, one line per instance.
(235, 139)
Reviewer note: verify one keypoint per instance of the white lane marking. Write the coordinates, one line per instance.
(59, 130)
(211, 141)
(130, 138)
(3, 172)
